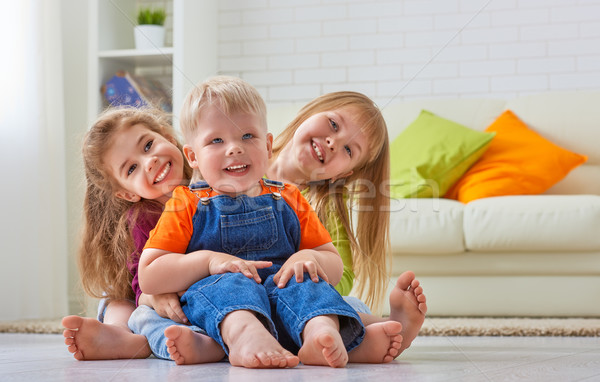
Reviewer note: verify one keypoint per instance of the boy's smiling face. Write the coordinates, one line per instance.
(231, 151)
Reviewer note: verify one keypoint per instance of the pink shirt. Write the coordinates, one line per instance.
(140, 231)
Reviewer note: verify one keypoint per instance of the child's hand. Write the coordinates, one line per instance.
(224, 263)
(168, 305)
(297, 264)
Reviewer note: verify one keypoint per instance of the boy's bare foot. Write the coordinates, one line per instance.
(381, 343)
(408, 306)
(187, 347)
(251, 344)
(322, 343)
(89, 339)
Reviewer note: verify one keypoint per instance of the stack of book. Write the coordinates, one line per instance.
(137, 91)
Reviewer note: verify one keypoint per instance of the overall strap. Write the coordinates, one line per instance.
(200, 186)
(202, 189)
(270, 184)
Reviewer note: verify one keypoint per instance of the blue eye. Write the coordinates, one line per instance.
(247, 136)
(217, 140)
(148, 145)
(131, 169)
(348, 150)
(333, 124)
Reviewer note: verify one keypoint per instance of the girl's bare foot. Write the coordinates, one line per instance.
(88, 339)
(251, 344)
(408, 306)
(187, 347)
(322, 343)
(381, 343)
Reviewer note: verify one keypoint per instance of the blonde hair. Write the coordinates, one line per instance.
(107, 243)
(230, 94)
(366, 191)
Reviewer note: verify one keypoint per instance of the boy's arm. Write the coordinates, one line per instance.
(161, 271)
(323, 261)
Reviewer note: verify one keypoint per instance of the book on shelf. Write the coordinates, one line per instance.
(125, 89)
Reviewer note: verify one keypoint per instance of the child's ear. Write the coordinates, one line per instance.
(129, 196)
(270, 144)
(190, 155)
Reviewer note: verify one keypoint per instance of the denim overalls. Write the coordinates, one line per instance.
(259, 228)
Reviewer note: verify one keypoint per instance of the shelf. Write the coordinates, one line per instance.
(191, 58)
(150, 57)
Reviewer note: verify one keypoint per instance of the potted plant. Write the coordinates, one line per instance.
(150, 31)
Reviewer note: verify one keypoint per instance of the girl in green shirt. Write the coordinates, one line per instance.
(336, 150)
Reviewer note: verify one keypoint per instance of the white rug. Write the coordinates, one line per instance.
(578, 327)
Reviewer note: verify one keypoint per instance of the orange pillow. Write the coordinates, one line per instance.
(518, 161)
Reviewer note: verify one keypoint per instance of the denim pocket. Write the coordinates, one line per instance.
(249, 231)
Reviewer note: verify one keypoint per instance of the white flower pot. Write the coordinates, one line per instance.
(149, 36)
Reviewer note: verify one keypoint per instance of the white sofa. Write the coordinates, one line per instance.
(535, 255)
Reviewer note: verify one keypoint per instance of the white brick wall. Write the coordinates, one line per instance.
(294, 50)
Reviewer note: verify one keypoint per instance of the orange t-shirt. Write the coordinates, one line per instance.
(174, 229)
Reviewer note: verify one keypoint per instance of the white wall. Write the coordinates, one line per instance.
(294, 50)
(74, 34)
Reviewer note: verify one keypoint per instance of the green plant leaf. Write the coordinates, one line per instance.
(150, 16)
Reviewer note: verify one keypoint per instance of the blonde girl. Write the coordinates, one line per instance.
(337, 151)
(132, 163)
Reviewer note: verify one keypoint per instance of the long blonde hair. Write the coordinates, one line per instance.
(107, 243)
(366, 191)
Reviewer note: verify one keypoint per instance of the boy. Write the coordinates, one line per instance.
(250, 242)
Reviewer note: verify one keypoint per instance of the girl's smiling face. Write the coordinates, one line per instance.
(330, 144)
(144, 163)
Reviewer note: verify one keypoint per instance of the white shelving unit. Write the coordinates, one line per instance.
(191, 58)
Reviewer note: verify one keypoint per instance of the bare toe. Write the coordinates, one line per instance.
(188, 347)
(324, 348)
(408, 306)
(87, 338)
(380, 344)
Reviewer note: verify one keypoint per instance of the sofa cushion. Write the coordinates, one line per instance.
(431, 154)
(430, 225)
(533, 223)
(518, 162)
(568, 119)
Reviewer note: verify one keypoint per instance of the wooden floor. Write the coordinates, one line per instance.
(43, 357)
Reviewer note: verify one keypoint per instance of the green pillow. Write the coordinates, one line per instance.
(431, 154)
